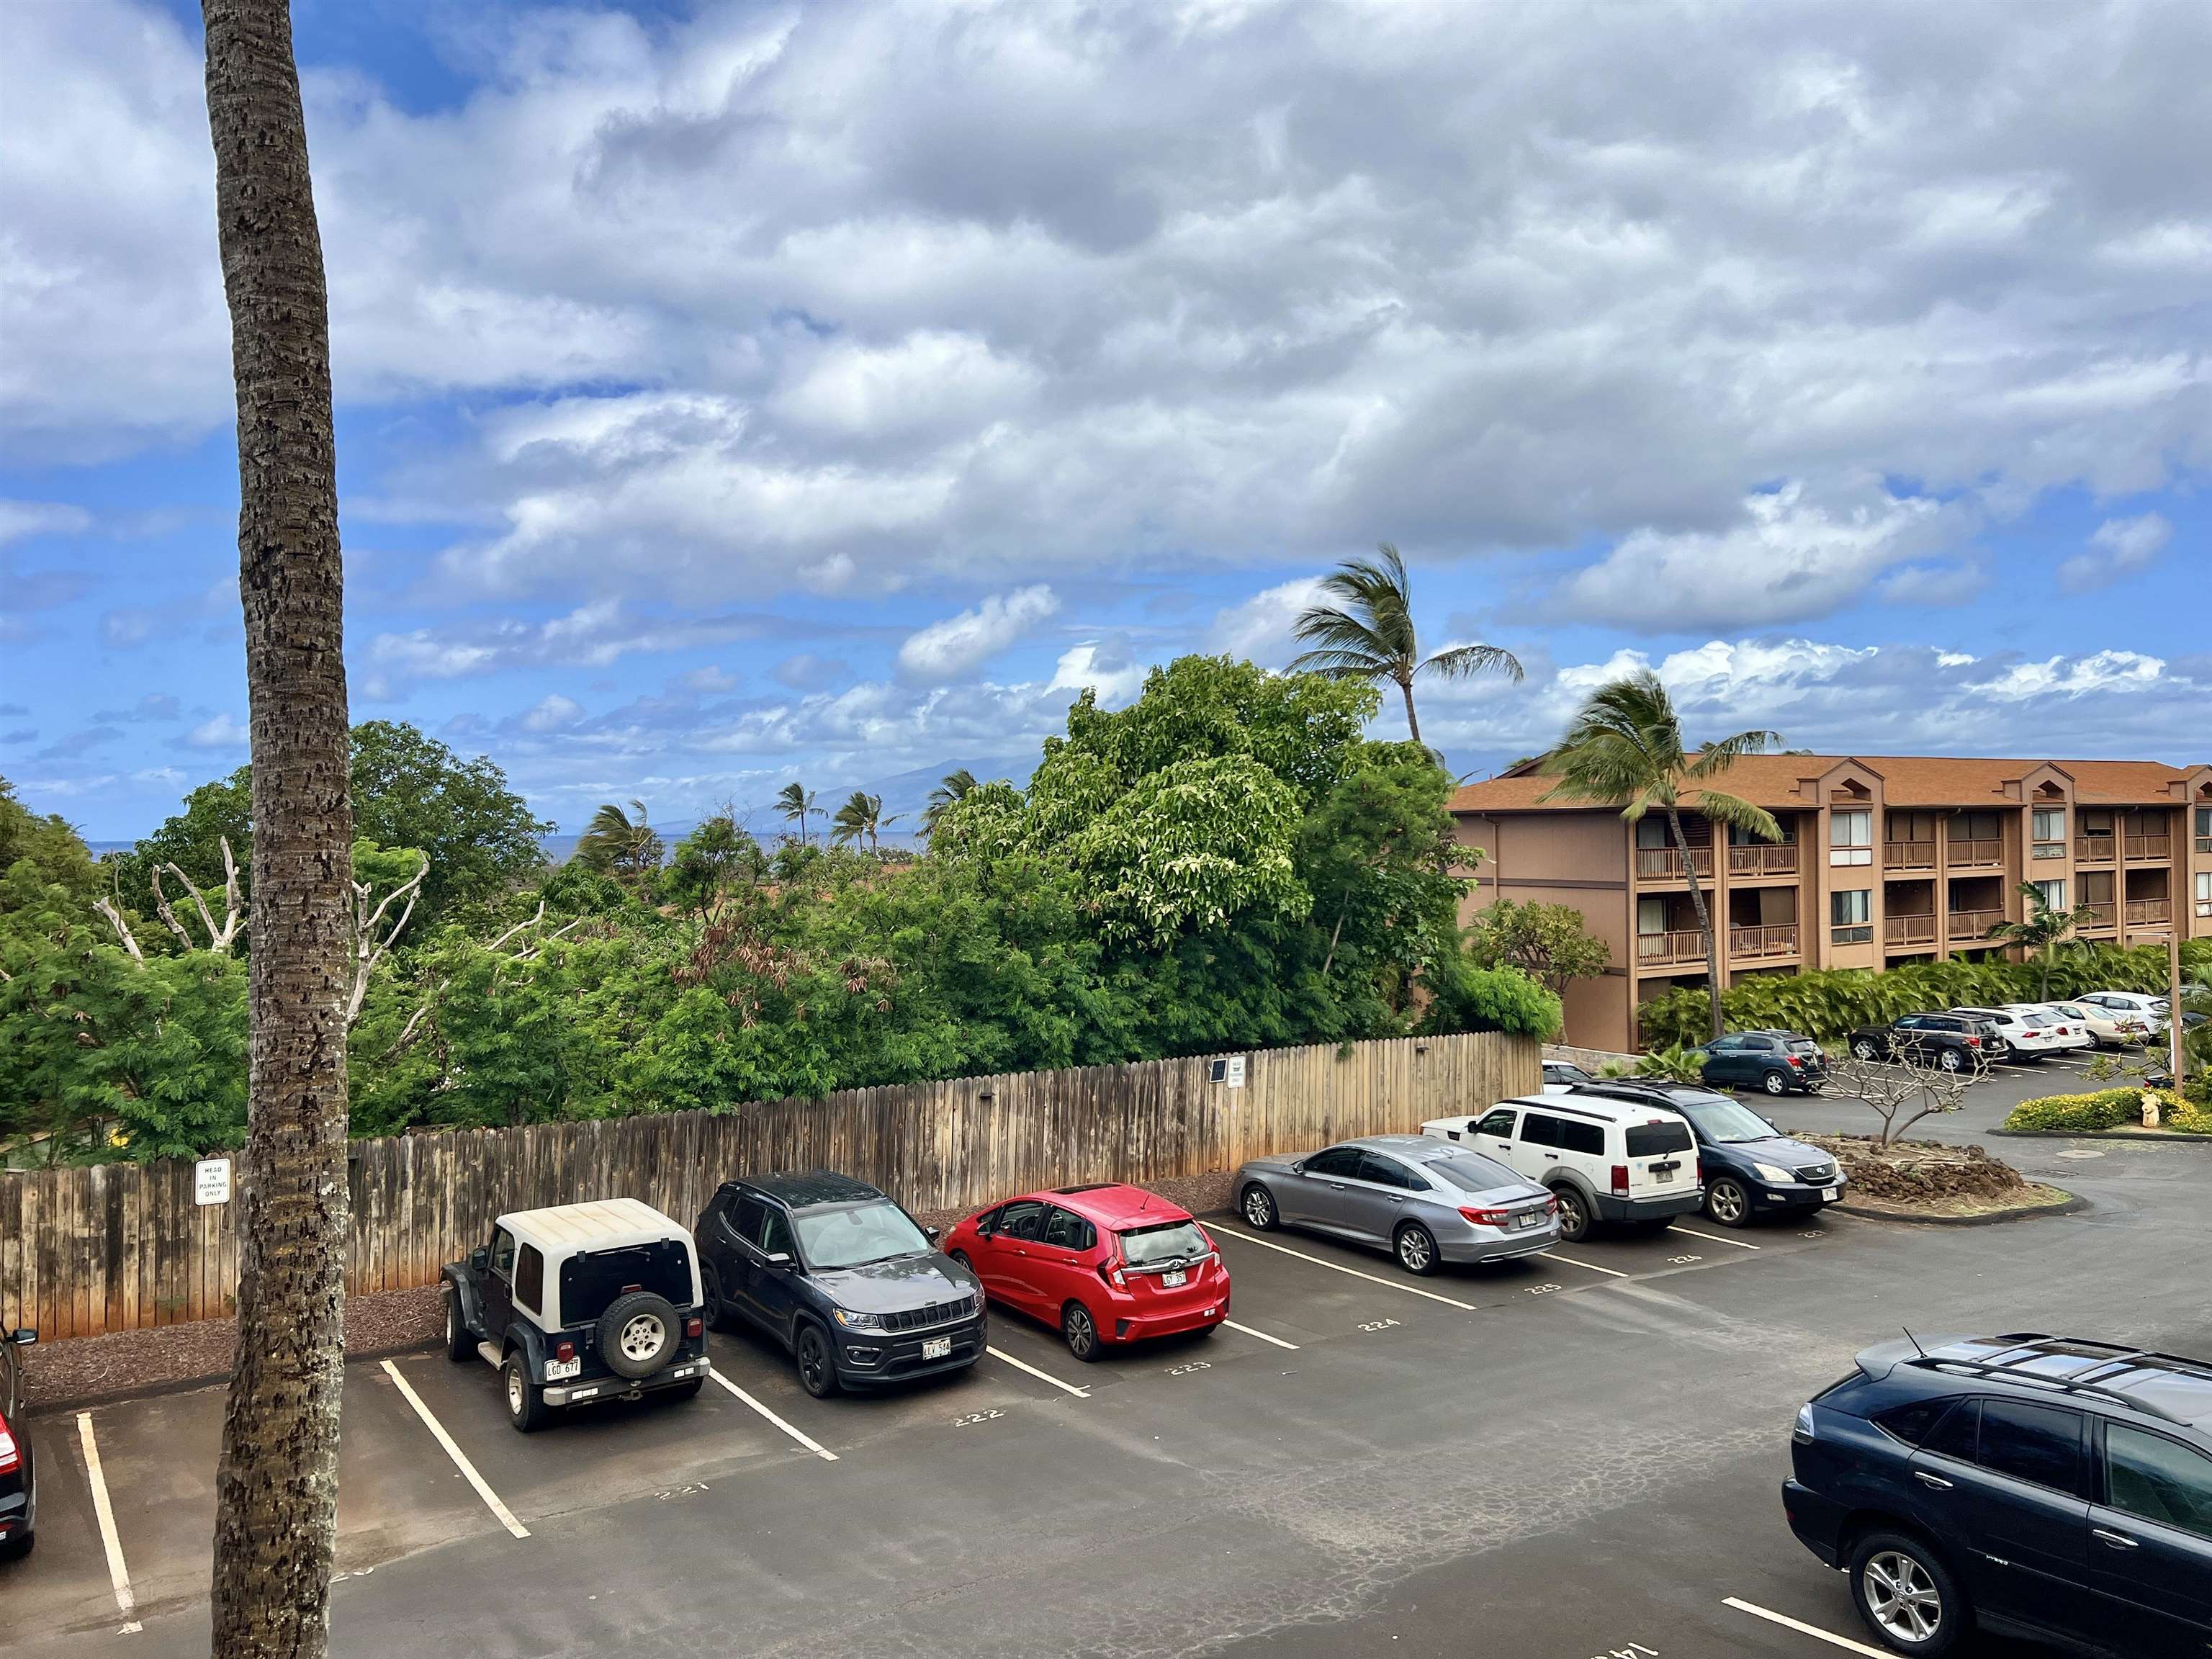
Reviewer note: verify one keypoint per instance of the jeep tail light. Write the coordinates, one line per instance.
(1110, 1271)
(565, 1352)
(10, 1459)
(695, 1325)
(1488, 1217)
(1620, 1180)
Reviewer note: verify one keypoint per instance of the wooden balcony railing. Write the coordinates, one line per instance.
(1977, 850)
(2150, 847)
(2047, 849)
(1779, 940)
(1665, 863)
(2095, 849)
(1973, 924)
(2101, 917)
(1908, 930)
(2143, 910)
(1659, 949)
(1780, 859)
(1908, 854)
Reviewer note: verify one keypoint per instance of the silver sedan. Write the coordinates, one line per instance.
(1424, 1200)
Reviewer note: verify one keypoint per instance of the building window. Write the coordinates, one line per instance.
(2204, 892)
(2054, 894)
(1850, 916)
(2204, 828)
(2049, 832)
(1850, 838)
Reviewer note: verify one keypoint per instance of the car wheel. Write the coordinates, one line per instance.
(525, 1402)
(1951, 1061)
(1864, 1050)
(1258, 1207)
(712, 1308)
(1417, 1249)
(459, 1345)
(817, 1361)
(961, 1256)
(1907, 1595)
(1727, 1203)
(1574, 1215)
(1081, 1331)
(1775, 1082)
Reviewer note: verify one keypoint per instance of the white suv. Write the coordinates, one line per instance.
(2105, 1025)
(2024, 1036)
(2070, 1030)
(1604, 1160)
(2151, 1012)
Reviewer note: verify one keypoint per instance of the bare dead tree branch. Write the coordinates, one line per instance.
(121, 929)
(369, 947)
(1902, 1091)
(233, 919)
(558, 932)
(519, 927)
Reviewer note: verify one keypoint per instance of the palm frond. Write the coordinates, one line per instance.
(1716, 757)
(1460, 662)
(1738, 813)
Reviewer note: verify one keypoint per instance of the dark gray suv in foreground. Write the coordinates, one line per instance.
(2032, 1485)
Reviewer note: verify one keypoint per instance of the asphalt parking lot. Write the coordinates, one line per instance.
(1568, 1458)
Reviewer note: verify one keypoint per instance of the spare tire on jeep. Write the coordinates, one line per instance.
(638, 1333)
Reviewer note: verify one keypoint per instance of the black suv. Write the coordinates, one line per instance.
(1955, 1042)
(842, 1276)
(1772, 1061)
(1749, 1167)
(19, 1487)
(2034, 1485)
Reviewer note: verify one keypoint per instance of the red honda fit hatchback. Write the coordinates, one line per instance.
(1106, 1263)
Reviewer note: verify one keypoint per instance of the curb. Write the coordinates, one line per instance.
(2071, 1203)
(58, 1402)
(2099, 1134)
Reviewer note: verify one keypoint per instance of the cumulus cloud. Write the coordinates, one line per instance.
(553, 713)
(959, 645)
(592, 635)
(2118, 548)
(1104, 666)
(19, 520)
(221, 732)
(1260, 628)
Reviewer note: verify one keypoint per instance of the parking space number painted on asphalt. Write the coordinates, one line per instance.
(1542, 1289)
(1379, 1325)
(973, 1418)
(1186, 1369)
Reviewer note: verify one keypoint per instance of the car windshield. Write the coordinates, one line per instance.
(1726, 1122)
(1471, 1174)
(1171, 1240)
(854, 1234)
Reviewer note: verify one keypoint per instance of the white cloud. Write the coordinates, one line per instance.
(2118, 548)
(552, 713)
(221, 732)
(1787, 559)
(1260, 628)
(1106, 668)
(957, 646)
(21, 519)
(592, 635)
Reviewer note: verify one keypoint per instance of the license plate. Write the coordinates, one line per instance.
(1173, 1279)
(1662, 1175)
(556, 1370)
(937, 1347)
(1830, 1194)
(1531, 1219)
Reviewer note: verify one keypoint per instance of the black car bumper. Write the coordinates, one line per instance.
(1817, 1521)
(865, 1358)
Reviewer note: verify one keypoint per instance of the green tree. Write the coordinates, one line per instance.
(1626, 746)
(49, 843)
(1367, 633)
(860, 818)
(616, 844)
(956, 783)
(2039, 931)
(1548, 942)
(714, 858)
(795, 805)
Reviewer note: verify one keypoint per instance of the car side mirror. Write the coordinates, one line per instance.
(479, 1258)
(779, 1259)
(932, 1234)
(24, 1338)
(1299, 1167)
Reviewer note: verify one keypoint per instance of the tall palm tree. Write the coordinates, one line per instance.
(796, 805)
(957, 783)
(2039, 929)
(860, 819)
(615, 843)
(1367, 633)
(1626, 746)
(277, 1479)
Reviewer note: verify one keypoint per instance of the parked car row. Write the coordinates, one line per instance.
(18, 1484)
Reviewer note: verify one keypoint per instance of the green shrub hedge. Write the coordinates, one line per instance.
(2107, 1109)
(1832, 1001)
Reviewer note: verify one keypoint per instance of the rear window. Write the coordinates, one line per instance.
(592, 1280)
(1471, 1174)
(1912, 1421)
(1143, 1247)
(1654, 1140)
(1804, 1045)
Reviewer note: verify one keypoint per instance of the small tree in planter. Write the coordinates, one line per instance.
(1901, 1091)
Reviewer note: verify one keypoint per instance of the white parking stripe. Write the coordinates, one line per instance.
(1554, 1255)
(1804, 1629)
(800, 1436)
(1041, 1376)
(117, 1574)
(1220, 1231)
(1716, 1238)
(460, 1459)
(1262, 1336)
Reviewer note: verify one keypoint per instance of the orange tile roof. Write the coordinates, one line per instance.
(1787, 781)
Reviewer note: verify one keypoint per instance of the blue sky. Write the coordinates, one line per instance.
(731, 394)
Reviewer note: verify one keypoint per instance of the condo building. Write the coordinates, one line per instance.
(1883, 860)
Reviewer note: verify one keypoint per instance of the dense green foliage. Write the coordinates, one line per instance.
(1227, 863)
(1832, 1001)
(1548, 941)
(2108, 1109)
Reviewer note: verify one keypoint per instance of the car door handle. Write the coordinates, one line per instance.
(1934, 1480)
(1551, 1157)
(2110, 1540)
(1337, 1185)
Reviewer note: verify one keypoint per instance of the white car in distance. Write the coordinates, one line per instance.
(2071, 1030)
(2150, 1010)
(2108, 1027)
(2025, 1036)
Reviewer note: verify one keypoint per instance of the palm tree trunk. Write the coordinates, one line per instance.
(1704, 923)
(276, 1480)
(1412, 724)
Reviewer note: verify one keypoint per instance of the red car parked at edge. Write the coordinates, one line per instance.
(1106, 1263)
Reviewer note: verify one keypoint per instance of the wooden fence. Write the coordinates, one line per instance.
(115, 1247)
